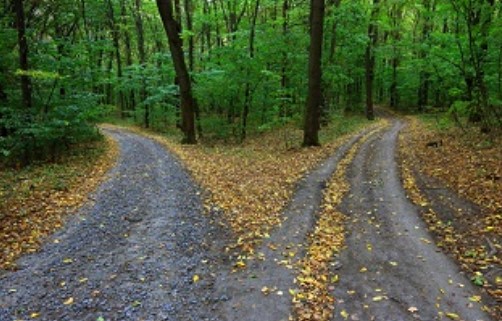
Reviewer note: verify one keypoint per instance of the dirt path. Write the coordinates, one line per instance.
(132, 255)
(273, 272)
(391, 269)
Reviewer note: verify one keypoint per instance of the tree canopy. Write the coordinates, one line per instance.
(67, 64)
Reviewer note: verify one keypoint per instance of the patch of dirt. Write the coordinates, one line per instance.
(34, 201)
(469, 228)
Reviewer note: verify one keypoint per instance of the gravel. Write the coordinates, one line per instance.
(131, 254)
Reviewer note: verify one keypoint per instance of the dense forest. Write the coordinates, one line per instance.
(222, 69)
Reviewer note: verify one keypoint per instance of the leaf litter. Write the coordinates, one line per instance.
(314, 301)
(471, 167)
(35, 200)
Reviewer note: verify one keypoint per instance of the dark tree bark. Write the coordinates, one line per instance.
(116, 45)
(130, 101)
(314, 98)
(332, 47)
(423, 90)
(370, 60)
(283, 111)
(172, 28)
(138, 19)
(26, 87)
(247, 91)
(396, 16)
(191, 59)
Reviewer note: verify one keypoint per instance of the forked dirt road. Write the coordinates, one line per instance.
(143, 250)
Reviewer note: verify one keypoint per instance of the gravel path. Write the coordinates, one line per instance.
(131, 255)
(392, 269)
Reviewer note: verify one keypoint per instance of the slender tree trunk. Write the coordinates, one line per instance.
(423, 90)
(26, 87)
(116, 45)
(332, 47)
(138, 18)
(283, 112)
(396, 17)
(314, 98)
(370, 60)
(172, 28)
(130, 101)
(247, 91)
(191, 59)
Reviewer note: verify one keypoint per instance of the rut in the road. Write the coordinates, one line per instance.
(391, 268)
(131, 255)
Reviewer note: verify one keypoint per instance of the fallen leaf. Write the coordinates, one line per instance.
(68, 301)
(379, 298)
(195, 278)
(452, 316)
(344, 314)
(413, 309)
(475, 298)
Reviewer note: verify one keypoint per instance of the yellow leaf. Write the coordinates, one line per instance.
(393, 263)
(452, 316)
(68, 301)
(67, 261)
(240, 264)
(363, 269)
(344, 314)
(378, 298)
(195, 278)
(475, 298)
(34, 315)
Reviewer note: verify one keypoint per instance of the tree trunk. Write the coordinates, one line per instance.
(314, 98)
(396, 17)
(138, 18)
(370, 60)
(191, 59)
(26, 87)
(283, 111)
(332, 47)
(116, 45)
(130, 101)
(172, 28)
(247, 91)
(423, 90)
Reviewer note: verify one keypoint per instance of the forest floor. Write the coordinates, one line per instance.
(311, 234)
